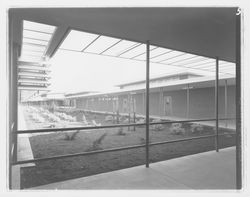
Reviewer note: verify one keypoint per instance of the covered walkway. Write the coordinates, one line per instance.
(208, 170)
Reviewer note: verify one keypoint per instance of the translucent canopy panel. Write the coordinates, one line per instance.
(120, 48)
(38, 35)
(77, 40)
(206, 65)
(171, 56)
(187, 61)
(224, 63)
(159, 54)
(32, 53)
(179, 58)
(28, 25)
(138, 50)
(143, 55)
(200, 62)
(35, 41)
(30, 58)
(101, 44)
(33, 47)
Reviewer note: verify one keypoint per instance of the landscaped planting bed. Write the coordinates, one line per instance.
(54, 144)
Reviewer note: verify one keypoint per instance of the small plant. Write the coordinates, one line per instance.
(143, 140)
(97, 143)
(70, 135)
(120, 131)
(196, 128)
(84, 120)
(141, 120)
(157, 127)
(52, 126)
(109, 118)
(177, 129)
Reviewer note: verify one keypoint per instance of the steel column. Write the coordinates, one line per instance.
(143, 103)
(238, 101)
(187, 116)
(10, 116)
(147, 104)
(14, 51)
(14, 99)
(217, 106)
(226, 102)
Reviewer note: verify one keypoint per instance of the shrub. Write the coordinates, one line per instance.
(109, 118)
(157, 127)
(126, 121)
(120, 131)
(141, 120)
(84, 120)
(96, 144)
(176, 128)
(143, 140)
(70, 135)
(196, 128)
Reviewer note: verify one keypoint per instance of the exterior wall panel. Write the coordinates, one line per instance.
(201, 103)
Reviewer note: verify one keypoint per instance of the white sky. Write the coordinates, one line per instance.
(75, 71)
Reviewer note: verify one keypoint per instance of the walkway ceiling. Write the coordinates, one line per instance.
(208, 32)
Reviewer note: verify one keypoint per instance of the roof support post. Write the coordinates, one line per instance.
(238, 102)
(188, 96)
(226, 103)
(147, 103)
(217, 106)
(14, 52)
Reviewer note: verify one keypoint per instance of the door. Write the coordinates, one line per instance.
(168, 106)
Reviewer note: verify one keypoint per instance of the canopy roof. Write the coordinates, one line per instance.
(195, 82)
(209, 32)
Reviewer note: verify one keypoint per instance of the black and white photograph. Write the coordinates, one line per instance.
(124, 98)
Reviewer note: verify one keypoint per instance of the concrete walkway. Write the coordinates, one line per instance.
(24, 151)
(208, 170)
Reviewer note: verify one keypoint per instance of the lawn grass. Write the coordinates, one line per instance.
(54, 144)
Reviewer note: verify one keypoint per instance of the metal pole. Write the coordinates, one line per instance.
(129, 103)
(187, 101)
(10, 49)
(147, 104)
(159, 104)
(14, 99)
(216, 106)
(160, 101)
(133, 99)
(14, 51)
(143, 103)
(226, 102)
(134, 121)
(238, 101)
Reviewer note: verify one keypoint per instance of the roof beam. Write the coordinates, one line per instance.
(56, 40)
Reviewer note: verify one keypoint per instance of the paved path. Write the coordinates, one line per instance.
(209, 170)
(24, 151)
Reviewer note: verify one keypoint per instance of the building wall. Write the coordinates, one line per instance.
(201, 103)
(154, 103)
(231, 107)
(179, 102)
(140, 103)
